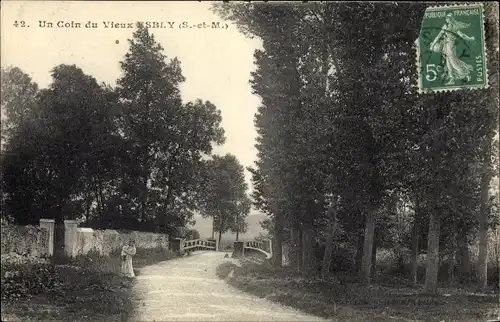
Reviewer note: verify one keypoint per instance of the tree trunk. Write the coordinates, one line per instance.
(101, 198)
(166, 203)
(294, 247)
(463, 258)
(432, 267)
(482, 260)
(278, 242)
(452, 254)
(221, 229)
(327, 257)
(359, 251)
(144, 195)
(498, 259)
(237, 235)
(482, 264)
(374, 259)
(213, 227)
(301, 250)
(88, 205)
(308, 258)
(366, 263)
(277, 249)
(98, 198)
(415, 234)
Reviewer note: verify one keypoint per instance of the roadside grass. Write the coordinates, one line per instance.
(88, 287)
(342, 299)
(222, 271)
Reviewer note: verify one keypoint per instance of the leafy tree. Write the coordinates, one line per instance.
(166, 139)
(45, 160)
(129, 157)
(329, 126)
(240, 225)
(18, 99)
(187, 233)
(225, 198)
(319, 134)
(282, 189)
(490, 122)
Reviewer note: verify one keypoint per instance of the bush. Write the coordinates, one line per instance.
(343, 259)
(148, 256)
(393, 279)
(224, 269)
(15, 258)
(493, 276)
(25, 275)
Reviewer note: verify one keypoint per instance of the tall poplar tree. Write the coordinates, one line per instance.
(167, 138)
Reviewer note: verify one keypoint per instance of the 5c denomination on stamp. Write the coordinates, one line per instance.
(451, 49)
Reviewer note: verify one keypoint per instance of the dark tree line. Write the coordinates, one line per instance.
(129, 157)
(350, 158)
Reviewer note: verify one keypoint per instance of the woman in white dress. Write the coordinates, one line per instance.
(127, 252)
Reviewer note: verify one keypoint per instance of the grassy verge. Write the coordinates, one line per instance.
(345, 300)
(86, 288)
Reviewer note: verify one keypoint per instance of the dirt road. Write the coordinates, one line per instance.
(187, 289)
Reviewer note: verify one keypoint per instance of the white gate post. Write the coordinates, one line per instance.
(70, 237)
(48, 224)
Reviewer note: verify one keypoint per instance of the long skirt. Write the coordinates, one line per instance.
(457, 68)
(127, 268)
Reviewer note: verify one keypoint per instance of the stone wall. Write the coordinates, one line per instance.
(25, 239)
(106, 241)
(77, 240)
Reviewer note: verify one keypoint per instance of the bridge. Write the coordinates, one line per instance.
(262, 249)
(183, 246)
(199, 244)
(249, 248)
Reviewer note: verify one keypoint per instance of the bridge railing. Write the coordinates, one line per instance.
(181, 246)
(242, 248)
(200, 244)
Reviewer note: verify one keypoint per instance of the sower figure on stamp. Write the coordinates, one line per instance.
(127, 252)
(445, 43)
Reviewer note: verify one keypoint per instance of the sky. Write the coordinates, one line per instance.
(216, 62)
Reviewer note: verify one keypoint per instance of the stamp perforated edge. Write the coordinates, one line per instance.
(457, 88)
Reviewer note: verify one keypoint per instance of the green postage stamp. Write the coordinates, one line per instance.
(451, 49)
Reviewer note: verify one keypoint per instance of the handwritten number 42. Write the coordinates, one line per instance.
(21, 23)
